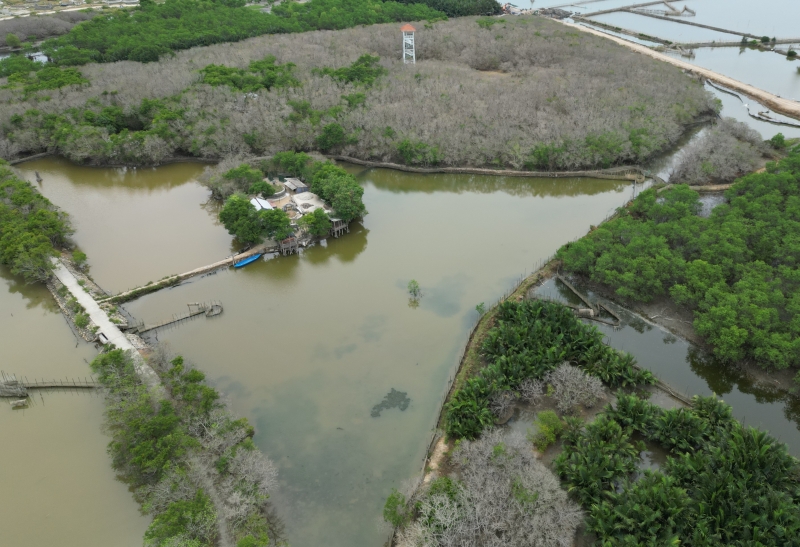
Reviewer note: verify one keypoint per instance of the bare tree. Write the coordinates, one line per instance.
(476, 101)
(531, 390)
(726, 151)
(572, 386)
(505, 497)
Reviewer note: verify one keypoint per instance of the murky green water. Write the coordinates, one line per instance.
(58, 487)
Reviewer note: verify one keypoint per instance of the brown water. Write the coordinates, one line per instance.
(307, 345)
(58, 487)
(136, 225)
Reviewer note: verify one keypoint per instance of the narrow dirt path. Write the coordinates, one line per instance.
(783, 106)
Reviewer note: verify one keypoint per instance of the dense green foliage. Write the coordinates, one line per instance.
(738, 270)
(548, 428)
(329, 181)
(363, 71)
(18, 64)
(31, 228)
(152, 30)
(263, 74)
(32, 76)
(530, 339)
(723, 484)
(241, 219)
(461, 8)
(317, 223)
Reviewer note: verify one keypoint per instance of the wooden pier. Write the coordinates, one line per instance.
(211, 309)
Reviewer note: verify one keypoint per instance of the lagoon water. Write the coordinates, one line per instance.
(308, 345)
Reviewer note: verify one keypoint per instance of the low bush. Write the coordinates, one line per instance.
(263, 74)
(81, 320)
(548, 428)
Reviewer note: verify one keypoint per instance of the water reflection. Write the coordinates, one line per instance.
(691, 371)
(401, 182)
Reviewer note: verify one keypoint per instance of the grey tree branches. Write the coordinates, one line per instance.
(505, 497)
(526, 93)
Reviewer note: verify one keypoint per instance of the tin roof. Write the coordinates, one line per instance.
(259, 204)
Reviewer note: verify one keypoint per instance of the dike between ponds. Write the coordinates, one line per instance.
(114, 335)
(783, 106)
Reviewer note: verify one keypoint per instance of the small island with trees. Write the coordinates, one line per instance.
(255, 208)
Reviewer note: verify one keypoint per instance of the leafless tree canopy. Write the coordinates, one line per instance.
(42, 26)
(480, 97)
(726, 151)
(506, 497)
(572, 386)
(531, 391)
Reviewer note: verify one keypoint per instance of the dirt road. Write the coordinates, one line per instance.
(787, 107)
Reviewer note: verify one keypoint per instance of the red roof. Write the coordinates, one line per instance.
(407, 28)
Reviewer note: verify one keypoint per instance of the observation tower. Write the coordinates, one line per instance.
(409, 54)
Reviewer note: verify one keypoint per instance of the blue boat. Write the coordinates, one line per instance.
(247, 260)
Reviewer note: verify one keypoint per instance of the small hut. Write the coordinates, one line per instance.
(296, 185)
(288, 245)
(338, 227)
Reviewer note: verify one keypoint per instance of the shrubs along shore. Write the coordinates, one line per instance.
(190, 463)
(521, 93)
(32, 229)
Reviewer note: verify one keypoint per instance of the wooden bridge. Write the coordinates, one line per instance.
(10, 386)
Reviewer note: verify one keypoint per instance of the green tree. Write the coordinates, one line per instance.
(262, 188)
(317, 223)
(276, 224)
(241, 219)
(332, 136)
(13, 41)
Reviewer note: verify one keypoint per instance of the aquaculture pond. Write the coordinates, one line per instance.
(310, 347)
(58, 485)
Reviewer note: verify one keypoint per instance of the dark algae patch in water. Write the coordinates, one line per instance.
(393, 399)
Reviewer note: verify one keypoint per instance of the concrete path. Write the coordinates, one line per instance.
(109, 329)
(783, 106)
